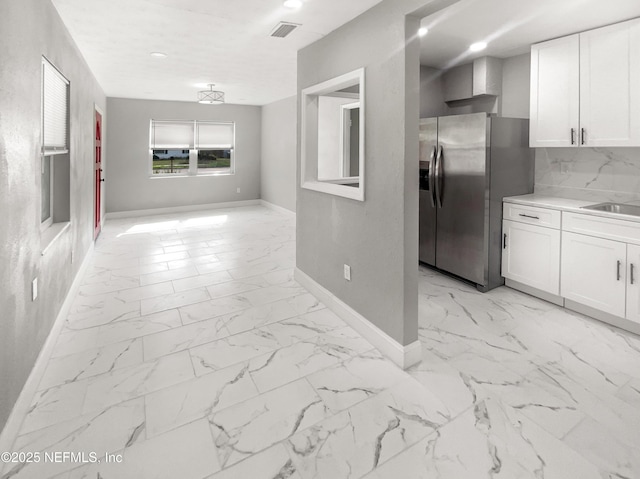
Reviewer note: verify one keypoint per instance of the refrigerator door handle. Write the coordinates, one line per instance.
(439, 177)
(432, 161)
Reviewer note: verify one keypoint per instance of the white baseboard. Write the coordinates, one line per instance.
(21, 407)
(180, 209)
(616, 321)
(278, 208)
(403, 356)
(552, 298)
(592, 313)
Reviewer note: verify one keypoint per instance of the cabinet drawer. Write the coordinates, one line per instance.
(602, 227)
(532, 215)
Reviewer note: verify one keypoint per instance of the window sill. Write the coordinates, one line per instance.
(51, 234)
(346, 191)
(158, 177)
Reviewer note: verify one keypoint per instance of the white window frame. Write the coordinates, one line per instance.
(309, 137)
(193, 151)
(345, 139)
(48, 152)
(49, 221)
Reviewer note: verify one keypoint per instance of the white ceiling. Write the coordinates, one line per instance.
(511, 26)
(225, 42)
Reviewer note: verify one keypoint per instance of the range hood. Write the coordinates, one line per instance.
(481, 78)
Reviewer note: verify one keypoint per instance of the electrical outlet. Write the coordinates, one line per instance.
(237, 190)
(34, 289)
(347, 272)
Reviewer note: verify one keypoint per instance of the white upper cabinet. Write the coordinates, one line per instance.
(585, 88)
(555, 92)
(610, 85)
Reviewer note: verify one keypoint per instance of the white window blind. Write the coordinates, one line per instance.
(172, 134)
(55, 107)
(214, 135)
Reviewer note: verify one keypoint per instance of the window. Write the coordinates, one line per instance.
(191, 148)
(170, 161)
(55, 133)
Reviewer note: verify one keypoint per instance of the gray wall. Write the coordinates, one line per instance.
(431, 93)
(128, 183)
(512, 103)
(278, 163)
(28, 30)
(378, 238)
(516, 86)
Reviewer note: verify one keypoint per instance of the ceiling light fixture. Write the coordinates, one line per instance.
(423, 31)
(210, 96)
(478, 47)
(293, 3)
(158, 54)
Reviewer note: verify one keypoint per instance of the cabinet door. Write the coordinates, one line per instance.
(531, 255)
(594, 272)
(609, 85)
(633, 283)
(555, 92)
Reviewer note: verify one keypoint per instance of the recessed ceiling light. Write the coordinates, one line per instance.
(423, 31)
(158, 55)
(293, 3)
(478, 47)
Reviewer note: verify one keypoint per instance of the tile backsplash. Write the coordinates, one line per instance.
(602, 174)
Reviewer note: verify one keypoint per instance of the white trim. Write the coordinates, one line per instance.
(280, 209)
(103, 123)
(538, 293)
(326, 87)
(180, 209)
(608, 318)
(21, 407)
(342, 94)
(403, 356)
(345, 138)
(592, 313)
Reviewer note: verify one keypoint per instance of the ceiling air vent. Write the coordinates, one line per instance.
(283, 29)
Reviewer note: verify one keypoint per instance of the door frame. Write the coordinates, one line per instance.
(98, 193)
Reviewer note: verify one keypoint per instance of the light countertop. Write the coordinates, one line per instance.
(568, 204)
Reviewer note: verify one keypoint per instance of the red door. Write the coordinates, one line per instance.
(97, 207)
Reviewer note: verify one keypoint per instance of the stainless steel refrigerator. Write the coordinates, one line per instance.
(468, 163)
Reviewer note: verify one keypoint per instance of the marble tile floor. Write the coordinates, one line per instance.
(191, 353)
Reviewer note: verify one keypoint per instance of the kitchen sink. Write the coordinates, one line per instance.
(617, 208)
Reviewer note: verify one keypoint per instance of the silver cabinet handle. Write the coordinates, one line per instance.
(582, 132)
(573, 136)
(631, 271)
(432, 161)
(618, 269)
(504, 241)
(529, 216)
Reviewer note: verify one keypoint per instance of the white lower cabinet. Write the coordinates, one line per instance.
(633, 283)
(594, 272)
(590, 260)
(531, 255)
